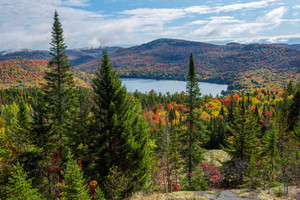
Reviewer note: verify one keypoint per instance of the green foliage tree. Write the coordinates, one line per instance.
(80, 134)
(72, 187)
(270, 154)
(19, 187)
(192, 151)
(23, 114)
(116, 183)
(244, 143)
(58, 89)
(297, 130)
(294, 109)
(121, 137)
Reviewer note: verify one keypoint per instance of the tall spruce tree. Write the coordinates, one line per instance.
(244, 131)
(59, 84)
(121, 137)
(270, 152)
(193, 92)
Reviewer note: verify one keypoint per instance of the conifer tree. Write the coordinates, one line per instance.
(80, 134)
(23, 114)
(193, 93)
(244, 130)
(72, 187)
(19, 187)
(40, 136)
(22, 131)
(270, 154)
(294, 109)
(59, 84)
(121, 137)
(289, 88)
(297, 131)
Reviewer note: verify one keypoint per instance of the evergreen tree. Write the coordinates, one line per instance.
(121, 137)
(193, 93)
(243, 145)
(252, 177)
(22, 131)
(80, 134)
(294, 109)
(40, 136)
(19, 187)
(72, 187)
(23, 115)
(297, 131)
(270, 155)
(289, 88)
(59, 84)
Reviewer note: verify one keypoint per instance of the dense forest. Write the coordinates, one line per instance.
(66, 141)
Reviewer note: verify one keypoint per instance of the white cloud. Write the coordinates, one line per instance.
(274, 16)
(198, 22)
(199, 9)
(155, 15)
(227, 26)
(240, 6)
(296, 6)
(77, 3)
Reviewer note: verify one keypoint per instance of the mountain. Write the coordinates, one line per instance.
(76, 56)
(242, 66)
(291, 46)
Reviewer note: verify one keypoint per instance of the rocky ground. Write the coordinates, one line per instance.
(237, 194)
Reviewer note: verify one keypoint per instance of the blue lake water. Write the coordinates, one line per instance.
(164, 86)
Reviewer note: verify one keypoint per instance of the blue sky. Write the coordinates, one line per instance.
(94, 23)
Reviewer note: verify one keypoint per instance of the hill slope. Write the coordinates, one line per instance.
(241, 66)
(29, 73)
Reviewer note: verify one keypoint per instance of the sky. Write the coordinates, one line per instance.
(94, 23)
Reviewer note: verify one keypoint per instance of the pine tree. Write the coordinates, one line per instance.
(294, 109)
(72, 187)
(80, 134)
(59, 84)
(121, 137)
(23, 114)
(244, 130)
(270, 154)
(289, 88)
(297, 131)
(22, 130)
(19, 187)
(193, 93)
(40, 136)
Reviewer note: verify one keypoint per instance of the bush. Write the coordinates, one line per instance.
(198, 181)
(116, 184)
(279, 192)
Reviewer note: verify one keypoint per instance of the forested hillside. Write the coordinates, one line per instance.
(22, 73)
(243, 67)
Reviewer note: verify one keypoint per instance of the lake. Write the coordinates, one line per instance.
(172, 86)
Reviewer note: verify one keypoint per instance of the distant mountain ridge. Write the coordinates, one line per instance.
(242, 66)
